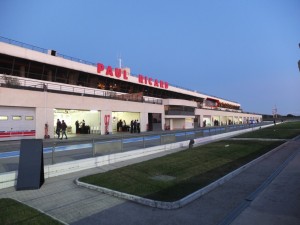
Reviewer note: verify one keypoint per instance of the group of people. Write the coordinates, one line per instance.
(121, 126)
(134, 126)
(82, 128)
(61, 128)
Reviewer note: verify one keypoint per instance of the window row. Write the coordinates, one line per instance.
(16, 117)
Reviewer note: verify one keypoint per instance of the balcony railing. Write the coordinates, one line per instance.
(27, 83)
(179, 113)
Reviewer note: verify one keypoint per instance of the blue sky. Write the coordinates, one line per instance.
(241, 50)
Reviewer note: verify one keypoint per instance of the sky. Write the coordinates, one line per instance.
(239, 50)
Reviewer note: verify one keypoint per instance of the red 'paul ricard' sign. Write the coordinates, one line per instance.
(122, 74)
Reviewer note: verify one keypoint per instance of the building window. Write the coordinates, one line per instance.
(17, 117)
(28, 117)
(3, 117)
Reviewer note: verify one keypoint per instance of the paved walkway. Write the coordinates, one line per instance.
(277, 201)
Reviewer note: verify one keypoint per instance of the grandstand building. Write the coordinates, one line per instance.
(39, 86)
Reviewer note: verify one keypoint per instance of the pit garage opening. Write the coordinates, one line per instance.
(121, 121)
(154, 122)
(89, 120)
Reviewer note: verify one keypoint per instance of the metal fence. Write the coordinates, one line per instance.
(58, 151)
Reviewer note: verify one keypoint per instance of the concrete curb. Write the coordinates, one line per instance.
(186, 200)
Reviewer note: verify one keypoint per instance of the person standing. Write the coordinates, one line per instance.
(58, 128)
(63, 130)
(138, 126)
(131, 126)
(120, 125)
(134, 126)
(77, 126)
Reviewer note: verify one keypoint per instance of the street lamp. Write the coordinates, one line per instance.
(299, 60)
(274, 112)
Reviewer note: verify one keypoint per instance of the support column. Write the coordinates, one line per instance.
(143, 121)
(103, 126)
(49, 75)
(42, 116)
(22, 71)
(171, 124)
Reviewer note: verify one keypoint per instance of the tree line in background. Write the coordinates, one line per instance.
(281, 117)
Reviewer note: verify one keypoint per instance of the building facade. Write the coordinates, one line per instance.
(39, 86)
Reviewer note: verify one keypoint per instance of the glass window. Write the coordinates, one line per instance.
(3, 117)
(28, 117)
(17, 117)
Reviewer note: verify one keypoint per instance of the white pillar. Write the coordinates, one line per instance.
(143, 121)
(102, 115)
(42, 116)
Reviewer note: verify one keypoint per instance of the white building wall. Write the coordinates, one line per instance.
(170, 101)
(225, 116)
(45, 102)
(45, 106)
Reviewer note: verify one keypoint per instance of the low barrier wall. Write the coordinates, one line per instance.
(108, 147)
(9, 179)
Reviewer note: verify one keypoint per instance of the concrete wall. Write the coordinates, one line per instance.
(179, 102)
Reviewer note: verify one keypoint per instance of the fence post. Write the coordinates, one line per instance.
(53, 150)
(122, 144)
(93, 148)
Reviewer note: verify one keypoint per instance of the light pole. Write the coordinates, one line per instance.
(299, 60)
(274, 112)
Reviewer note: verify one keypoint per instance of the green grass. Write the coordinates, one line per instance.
(280, 131)
(191, 169)
(13, 212)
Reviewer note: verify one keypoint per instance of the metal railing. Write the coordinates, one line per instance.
(179, 112)
(43, 50)
(27, 83)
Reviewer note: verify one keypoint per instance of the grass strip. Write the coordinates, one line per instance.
(187, 171)
(285, 130)
(14, 212)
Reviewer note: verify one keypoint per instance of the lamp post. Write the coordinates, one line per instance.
(299, 60)
(274, 112)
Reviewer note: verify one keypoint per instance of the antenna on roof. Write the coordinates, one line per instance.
(120, 61)
(274, 112)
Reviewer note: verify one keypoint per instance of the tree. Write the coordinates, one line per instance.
(289, 115)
